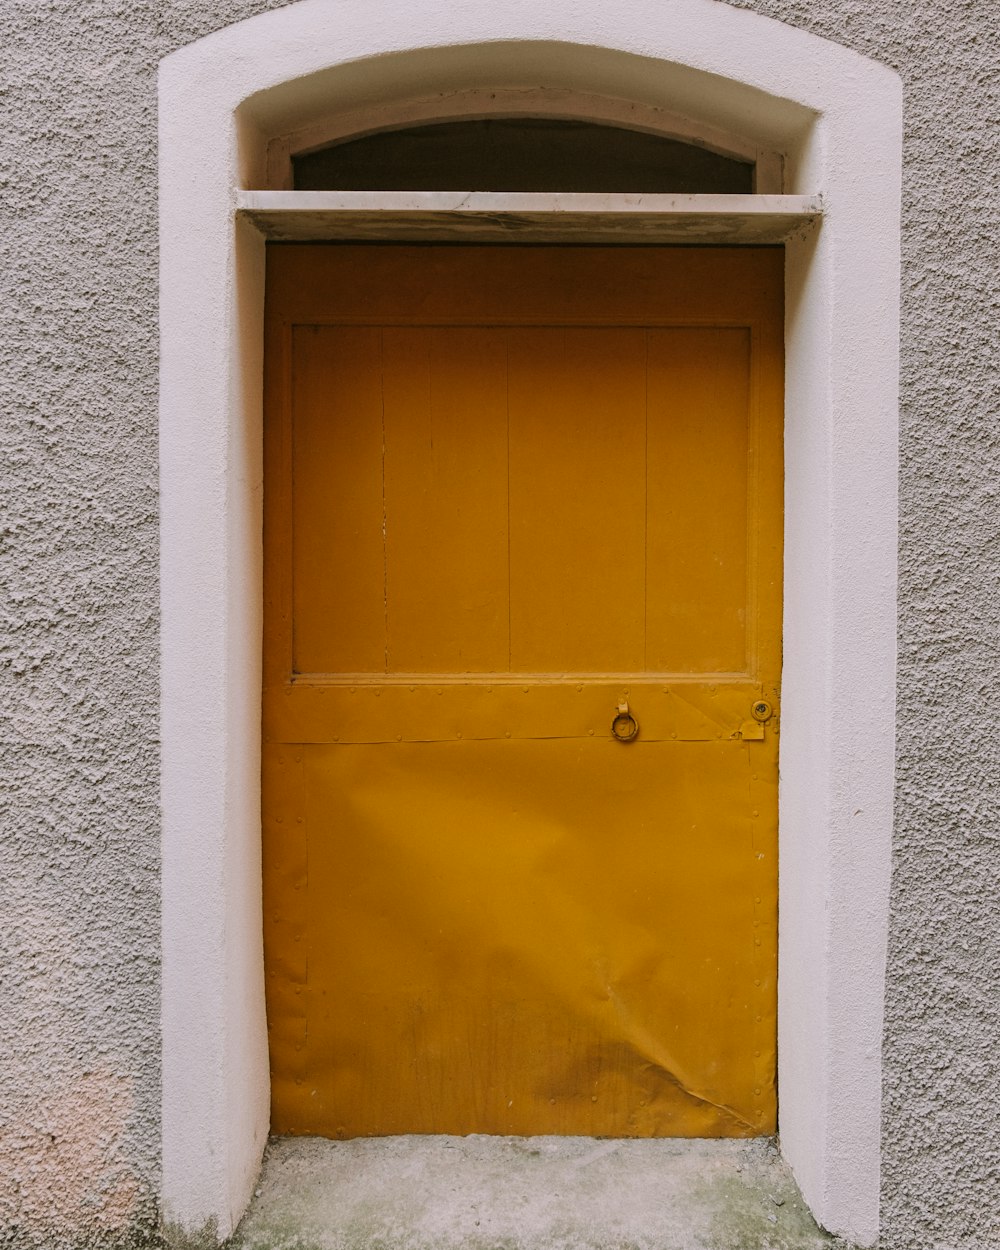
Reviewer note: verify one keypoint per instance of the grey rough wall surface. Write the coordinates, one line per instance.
(79, 753)
(941, 1085)
(79, 898)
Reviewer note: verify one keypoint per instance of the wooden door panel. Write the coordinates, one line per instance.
(336, 477)
(697, 472)
(577, 499)
(446, 542)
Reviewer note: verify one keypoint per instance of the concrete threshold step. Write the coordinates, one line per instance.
(527, 1193)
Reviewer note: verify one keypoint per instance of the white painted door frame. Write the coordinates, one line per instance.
(836, 118)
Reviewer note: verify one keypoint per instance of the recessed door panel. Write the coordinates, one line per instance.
(336, 467)
(446, 523)
(699, 476)
(577, 404)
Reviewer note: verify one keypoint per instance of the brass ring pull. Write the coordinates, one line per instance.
(624, 726)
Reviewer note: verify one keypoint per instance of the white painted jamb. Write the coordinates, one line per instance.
(487, 216)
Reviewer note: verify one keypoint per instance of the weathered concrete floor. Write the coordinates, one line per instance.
(526, 1193)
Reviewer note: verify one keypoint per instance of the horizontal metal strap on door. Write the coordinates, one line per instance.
(449, 710)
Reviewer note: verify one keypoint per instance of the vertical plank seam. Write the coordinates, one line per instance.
(287, 480)
(506, 352)
(645, 504)
(385, 551)
(751, 635)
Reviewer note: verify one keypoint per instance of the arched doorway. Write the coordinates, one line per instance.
(222, 101)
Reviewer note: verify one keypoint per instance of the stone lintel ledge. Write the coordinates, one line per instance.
(489, 216)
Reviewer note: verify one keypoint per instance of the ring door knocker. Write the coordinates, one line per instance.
(624, 727)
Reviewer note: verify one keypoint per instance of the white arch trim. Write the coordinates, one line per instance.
(836, 118)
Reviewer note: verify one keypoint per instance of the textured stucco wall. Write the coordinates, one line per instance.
(941, 1115)
(79, 936)
(79, 829)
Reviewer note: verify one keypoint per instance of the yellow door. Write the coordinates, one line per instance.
(514, 495)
